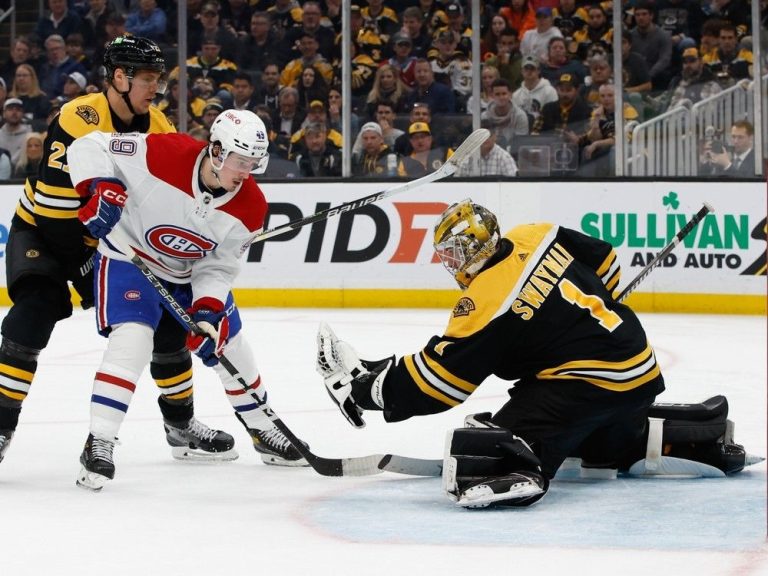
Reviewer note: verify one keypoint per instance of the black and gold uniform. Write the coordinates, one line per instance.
(48, 246)
(542, 312)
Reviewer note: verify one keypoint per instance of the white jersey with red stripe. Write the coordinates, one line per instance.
(183, 233)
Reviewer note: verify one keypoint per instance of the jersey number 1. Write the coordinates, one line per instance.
(572, 294)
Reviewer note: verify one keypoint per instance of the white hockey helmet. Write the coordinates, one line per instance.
(466, 236)
(240, 132)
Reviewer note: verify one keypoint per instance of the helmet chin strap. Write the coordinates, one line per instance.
(215, 169)
(125, 94)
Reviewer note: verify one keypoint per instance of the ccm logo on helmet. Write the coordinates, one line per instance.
(179, 243)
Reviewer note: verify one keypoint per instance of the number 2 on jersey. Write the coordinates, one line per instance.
(572, 294)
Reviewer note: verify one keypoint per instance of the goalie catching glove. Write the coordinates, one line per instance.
(353, 384)
(103, 210)
(211, 318)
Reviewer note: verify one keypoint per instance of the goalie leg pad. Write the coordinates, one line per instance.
(490, 457)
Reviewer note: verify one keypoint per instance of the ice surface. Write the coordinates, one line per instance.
(164, 517)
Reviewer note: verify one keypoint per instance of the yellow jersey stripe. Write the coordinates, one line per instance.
(448, 377)
(181, 395)
(605, 266)
(57, 190)
(57, 213)
(17, 373)
(170, 382)
(630, 385)
(424, 386)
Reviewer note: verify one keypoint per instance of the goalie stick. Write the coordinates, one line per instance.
(684, 231)
(355, 466)
(470, 144)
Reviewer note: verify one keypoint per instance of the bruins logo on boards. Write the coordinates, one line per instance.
(463, 307)
(88, 114)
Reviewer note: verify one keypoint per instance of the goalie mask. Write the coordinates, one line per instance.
(239, 141)
(465, 238)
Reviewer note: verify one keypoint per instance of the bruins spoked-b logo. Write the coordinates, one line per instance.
(758, 267)
(88, 114)
(463, 307)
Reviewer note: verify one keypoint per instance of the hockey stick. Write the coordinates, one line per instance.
(470, 144)
(684, 231)
(356, 466)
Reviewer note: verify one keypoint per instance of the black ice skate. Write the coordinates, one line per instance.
(98, 465)
(274, 447)
(5, 441)
(196, 441)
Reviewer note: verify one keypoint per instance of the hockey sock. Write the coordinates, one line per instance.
(128, 352)
(17, 369)
(172, 373)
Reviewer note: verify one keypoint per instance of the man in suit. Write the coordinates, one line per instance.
(740, 163)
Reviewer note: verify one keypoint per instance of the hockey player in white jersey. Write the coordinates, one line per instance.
(189, 210)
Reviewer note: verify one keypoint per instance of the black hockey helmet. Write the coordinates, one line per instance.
(133, 53)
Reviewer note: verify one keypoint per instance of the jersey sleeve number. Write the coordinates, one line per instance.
(572, 294)
(57, 151)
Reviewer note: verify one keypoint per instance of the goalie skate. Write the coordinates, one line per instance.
(5, 441)
(196, 441)
(98, 464)
(516, 489)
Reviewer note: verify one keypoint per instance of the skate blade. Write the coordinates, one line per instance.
(271, 460)
(194, 455)
(91, 480)
(751, 459)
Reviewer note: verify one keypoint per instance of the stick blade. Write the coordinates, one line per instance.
(470, 144)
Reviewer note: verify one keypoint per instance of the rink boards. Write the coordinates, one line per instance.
(380, 255)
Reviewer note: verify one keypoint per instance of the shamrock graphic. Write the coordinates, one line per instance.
(671, 201)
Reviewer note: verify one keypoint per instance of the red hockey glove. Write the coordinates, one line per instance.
(103, 210)
(210, 317)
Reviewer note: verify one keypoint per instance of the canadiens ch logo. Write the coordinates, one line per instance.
(463, 307)
(88, 114)
(179, 243)
(133, 295)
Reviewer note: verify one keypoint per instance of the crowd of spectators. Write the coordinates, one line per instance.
(547, 71)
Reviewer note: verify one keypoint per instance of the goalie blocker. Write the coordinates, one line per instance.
(485, 465)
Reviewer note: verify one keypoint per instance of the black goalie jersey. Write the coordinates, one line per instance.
(542, 311)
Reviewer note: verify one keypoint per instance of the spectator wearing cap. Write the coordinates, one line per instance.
(508, 59)
(371, 160)
(694, 83)
(536, 40)
(211, 29)
(458, 26)
(318, 157)
(520, 15)
(420, 112)
(308, 46)
(506, 117)
(242, 91)
(57, 67)
(36, 103)
(74, 86)
(311, 16)
(59, 20)
(211, 64)
(402, 58)
(424, 158)
(285, 14)
(451, 67)
(213, 107)
(597, 32)
(20, 53)
(415, 30)
(535, 91)
(488, 160)
(569, 112)
(13, 133)
(261, 45)
(652, 43)
(438, 96)
(147, 20)
(317, 113)
(387, 87)
(558, 63)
